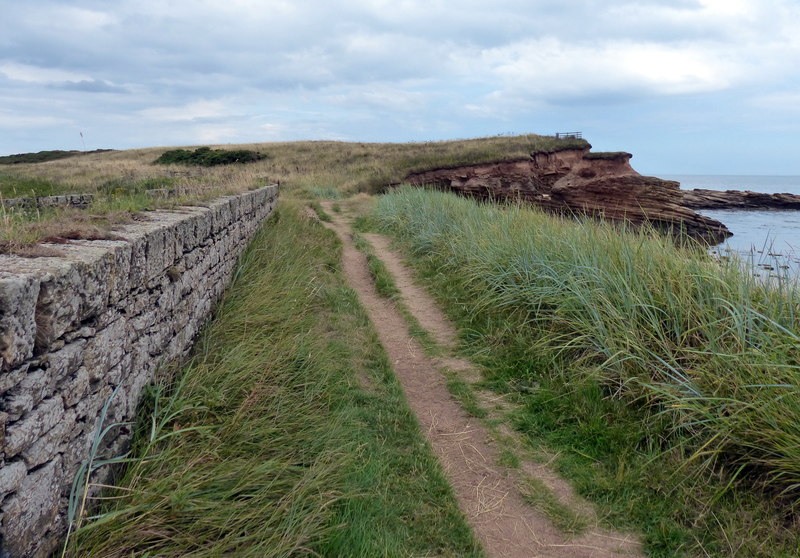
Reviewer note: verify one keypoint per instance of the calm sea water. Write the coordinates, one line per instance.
(770, 239)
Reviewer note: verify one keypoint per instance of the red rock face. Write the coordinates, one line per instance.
(577, 181)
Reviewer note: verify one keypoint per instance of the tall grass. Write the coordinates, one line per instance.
(699, 342)
(661, 383)
(286, 433)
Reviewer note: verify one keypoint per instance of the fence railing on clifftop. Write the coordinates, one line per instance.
(570, 135)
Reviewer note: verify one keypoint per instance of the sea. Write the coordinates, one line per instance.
(768, 240)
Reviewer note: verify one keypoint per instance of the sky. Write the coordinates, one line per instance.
(687, 86)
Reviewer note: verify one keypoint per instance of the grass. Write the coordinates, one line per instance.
(14, 186)
(386, 287)
(321, 213)
(462, 392)
(665, 381)
(207, 157)
(384, 281)
(39, 157)
(310, 169)
(285, 434)
(566, 520)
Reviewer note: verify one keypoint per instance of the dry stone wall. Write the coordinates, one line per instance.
(99, 320)
(74, 200)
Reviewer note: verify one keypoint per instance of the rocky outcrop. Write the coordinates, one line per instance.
(736, 199)
(578, 181)
(67, 200)
(90, 329)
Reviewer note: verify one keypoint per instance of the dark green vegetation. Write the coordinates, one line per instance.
(207, 157)
(285, 434)
(607, 155)
(665, 382)
(44, 156)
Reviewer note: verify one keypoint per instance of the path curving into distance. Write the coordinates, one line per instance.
(488, 494)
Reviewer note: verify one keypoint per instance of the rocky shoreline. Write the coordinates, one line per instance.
(737, 199)
(576, 180)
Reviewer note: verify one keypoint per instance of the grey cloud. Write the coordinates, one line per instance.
(368, 69)
(93, 86)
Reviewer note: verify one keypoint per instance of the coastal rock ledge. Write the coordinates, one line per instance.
(737, 199)
(576, 180)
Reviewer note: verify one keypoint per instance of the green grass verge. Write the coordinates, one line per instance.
(465, 395)
(386, 287)
(566, 520)
(14, 186)
(321, 213)
(665, 382)
(286, 433)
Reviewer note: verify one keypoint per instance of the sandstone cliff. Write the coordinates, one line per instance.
(578, 181)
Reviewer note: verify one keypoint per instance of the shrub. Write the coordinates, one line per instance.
(207, 157)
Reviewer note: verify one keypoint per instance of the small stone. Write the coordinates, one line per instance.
(11, 378)
(67, 360)
(75, 388)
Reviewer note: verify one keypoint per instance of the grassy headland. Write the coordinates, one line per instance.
(118, 179)
(666, 382)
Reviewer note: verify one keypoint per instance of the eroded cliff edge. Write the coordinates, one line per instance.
(579, 181)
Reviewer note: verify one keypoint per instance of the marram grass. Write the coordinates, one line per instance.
(693, 361)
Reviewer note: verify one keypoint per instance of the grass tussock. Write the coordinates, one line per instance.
(667, 380)
(267, 443)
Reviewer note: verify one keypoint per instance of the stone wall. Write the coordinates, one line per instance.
(104, 316)
(74, 200)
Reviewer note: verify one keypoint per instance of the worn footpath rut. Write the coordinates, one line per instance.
(488, 494)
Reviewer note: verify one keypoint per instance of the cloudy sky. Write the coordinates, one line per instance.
(687, 86)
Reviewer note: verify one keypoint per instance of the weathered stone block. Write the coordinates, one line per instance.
(10, 378)
(11, 476)
(106, 349)
(30, 512)
(75, 387)
(74, 289)
(33, 388)
(89, 407)
(65, 361)
(51, 442)
(18, 294)
(23, 433)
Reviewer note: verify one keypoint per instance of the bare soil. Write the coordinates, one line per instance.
(488, 493)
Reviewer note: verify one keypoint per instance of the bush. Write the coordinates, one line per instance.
(207, 157)
(43, 156)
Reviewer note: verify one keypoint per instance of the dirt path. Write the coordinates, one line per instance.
(487, 493)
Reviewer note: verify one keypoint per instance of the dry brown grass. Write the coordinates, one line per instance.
(306, 169)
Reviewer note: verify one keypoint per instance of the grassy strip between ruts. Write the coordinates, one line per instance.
(386, 287)
(666, 383)
(285, 434)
